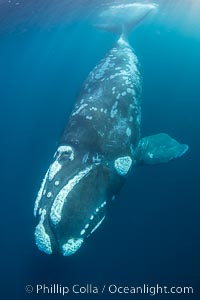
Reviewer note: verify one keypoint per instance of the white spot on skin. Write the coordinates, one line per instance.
(97, 159)
(71, 246)
(59, 201)
(150, 154)
(138, 119)
(128, 132)
(114, 110)
(93, 108)
(57, 182)
(130, 91)
(123, 165)
(92, 217)
(82, 232)
(101, 133)
(89, 117)
(124, 94)
(131, 119)
(102, 68)
(113, 90)
(42, 239)
(39, 195)
(49, 194)
(79, 109)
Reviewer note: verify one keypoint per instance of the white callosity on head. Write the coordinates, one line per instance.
(59, 201)
(68, 149)
(39, 196)
(54, 169)
(42, 239)
(71, 246)
(123, 165)
(56, 165)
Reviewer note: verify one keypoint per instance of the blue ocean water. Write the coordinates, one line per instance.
(151, 233)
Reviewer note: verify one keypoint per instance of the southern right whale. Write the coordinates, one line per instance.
(100, 144)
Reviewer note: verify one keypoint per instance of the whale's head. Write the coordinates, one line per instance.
(71, 203)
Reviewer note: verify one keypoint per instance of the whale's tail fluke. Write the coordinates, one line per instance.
(122, 18)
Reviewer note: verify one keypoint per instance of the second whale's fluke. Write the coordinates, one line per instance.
(122, 18)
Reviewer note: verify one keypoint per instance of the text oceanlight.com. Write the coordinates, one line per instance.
(59, 289)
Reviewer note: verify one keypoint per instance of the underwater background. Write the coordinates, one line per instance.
(151, 233)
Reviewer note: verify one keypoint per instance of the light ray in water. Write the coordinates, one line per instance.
(183, 16)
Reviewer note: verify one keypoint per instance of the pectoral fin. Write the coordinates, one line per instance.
(159, 148)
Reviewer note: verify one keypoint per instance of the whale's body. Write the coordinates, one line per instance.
(100, 145)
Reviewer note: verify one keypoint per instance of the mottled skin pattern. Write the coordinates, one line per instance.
(104, 125)
(115, 75)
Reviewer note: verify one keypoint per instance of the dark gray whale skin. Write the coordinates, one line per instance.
(100, 145)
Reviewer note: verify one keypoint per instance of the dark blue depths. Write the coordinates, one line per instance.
(151, 233)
